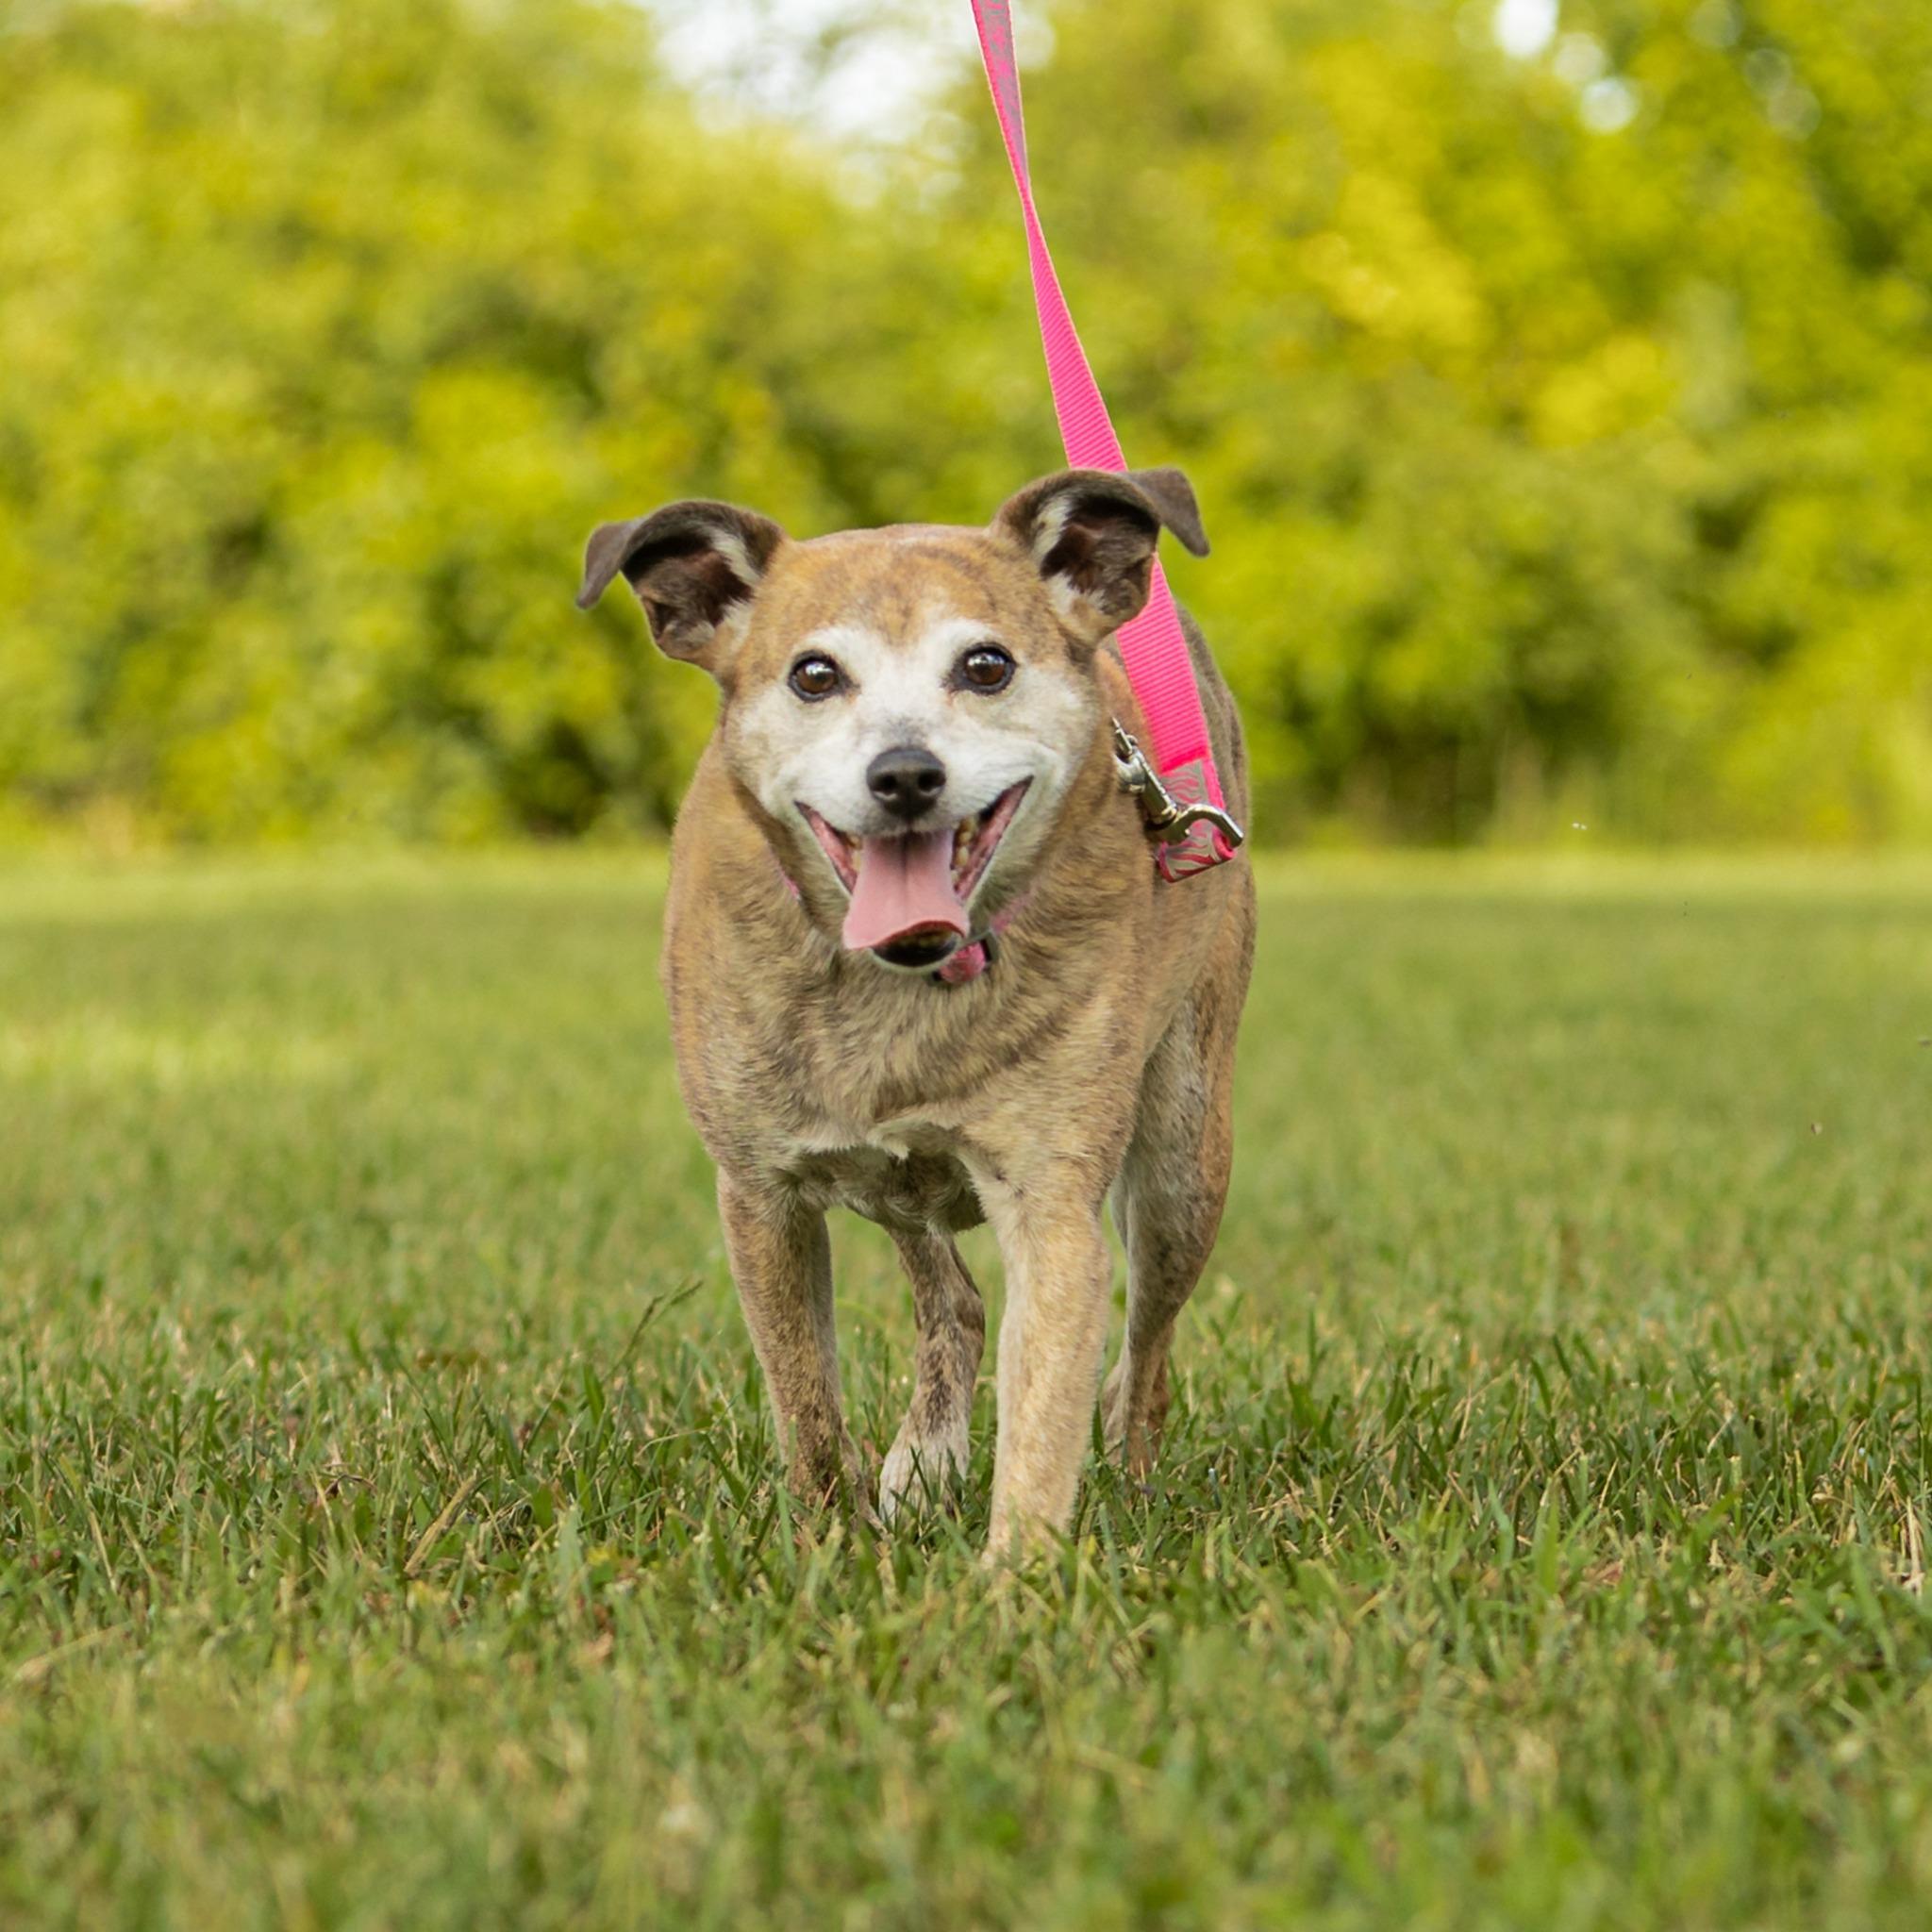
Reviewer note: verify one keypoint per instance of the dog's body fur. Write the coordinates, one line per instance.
(1094, 1055)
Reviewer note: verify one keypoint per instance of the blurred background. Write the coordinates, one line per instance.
(1554, 377)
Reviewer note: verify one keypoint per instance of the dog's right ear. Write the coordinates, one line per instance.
(693, 566)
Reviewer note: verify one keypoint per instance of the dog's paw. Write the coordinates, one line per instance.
(920, 1475)
(1132, 1431)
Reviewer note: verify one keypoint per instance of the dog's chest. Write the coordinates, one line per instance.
(899, 1174)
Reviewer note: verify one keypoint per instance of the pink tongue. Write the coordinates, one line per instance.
(903, 884)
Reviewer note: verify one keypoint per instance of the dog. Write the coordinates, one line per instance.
(919, 964)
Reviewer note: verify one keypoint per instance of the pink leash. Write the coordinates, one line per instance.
(1152, 646)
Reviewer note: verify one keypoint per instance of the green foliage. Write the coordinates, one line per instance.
(387, 1535)
(1564, 423)
(1544, 461)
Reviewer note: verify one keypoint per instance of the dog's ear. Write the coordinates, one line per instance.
(693, 565)
(1092, 535)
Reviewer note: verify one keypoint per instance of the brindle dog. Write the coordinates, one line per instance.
(919, 963)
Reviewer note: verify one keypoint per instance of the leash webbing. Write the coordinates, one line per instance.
(1152, 646)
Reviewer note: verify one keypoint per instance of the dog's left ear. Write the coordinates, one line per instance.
(1092, 534)
(692, 565)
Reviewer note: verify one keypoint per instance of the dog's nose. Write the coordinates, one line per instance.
(905, 779)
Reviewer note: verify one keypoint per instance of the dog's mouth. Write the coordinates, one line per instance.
(909, 889)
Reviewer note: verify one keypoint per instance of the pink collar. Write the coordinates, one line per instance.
(970, 960)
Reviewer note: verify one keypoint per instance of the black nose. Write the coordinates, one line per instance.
(905, 779)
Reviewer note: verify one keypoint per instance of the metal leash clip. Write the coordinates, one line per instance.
(1166, 816)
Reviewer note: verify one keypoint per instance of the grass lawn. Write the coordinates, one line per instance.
(387, 1532)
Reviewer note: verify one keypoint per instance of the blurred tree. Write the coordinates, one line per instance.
(331, 326)
(1563, 419)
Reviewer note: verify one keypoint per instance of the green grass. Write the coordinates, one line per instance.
(387, 1535)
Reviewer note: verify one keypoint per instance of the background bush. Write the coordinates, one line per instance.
(1563, 419)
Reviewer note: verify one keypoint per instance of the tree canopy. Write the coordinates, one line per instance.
(1562, 418)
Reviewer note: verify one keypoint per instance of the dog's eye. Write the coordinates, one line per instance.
(816, 677)
(984, 667)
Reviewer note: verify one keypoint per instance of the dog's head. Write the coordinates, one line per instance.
(906, 707)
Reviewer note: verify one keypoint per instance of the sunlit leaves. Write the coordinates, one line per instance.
(1560, 463)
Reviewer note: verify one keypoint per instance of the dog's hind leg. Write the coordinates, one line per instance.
(930, 1450)
(781, 1261)
(1167, 1204)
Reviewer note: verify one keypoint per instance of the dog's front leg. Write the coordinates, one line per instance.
(1051, 1336)
(931, 1449)
(782, 1262)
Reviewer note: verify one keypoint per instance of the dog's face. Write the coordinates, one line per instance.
(907, 707)
(906, 698)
